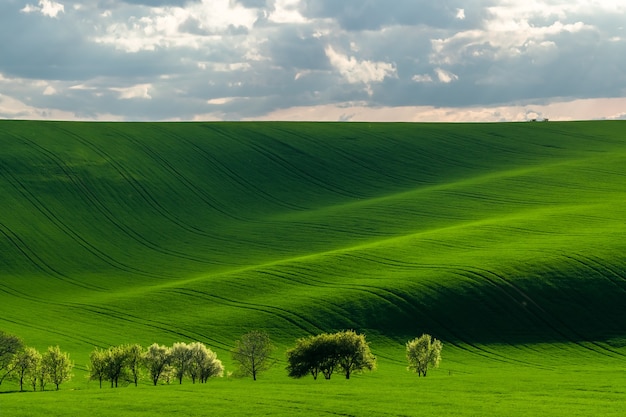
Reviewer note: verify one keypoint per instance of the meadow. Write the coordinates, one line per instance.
(505, 241)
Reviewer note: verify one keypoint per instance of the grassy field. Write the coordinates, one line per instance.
(506, 241)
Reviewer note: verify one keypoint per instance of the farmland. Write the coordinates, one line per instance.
(505, 241)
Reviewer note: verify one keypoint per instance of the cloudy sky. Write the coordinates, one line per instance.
(409, 60)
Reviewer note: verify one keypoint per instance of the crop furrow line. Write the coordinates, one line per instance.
(59, 224)
(273, 310)
(148, 323)
(411, 306)
(47, 329)
(558, 324)
(347, 155)
(38, 262)
(138, 187)
(240, 179)
(208, 200)
(93, 201)
(279, 160)
(482, 351)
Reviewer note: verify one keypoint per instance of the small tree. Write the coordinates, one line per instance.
(115, 359)
(10, 345)
(353, 353)
(252, 353)
(57, 365)
(43, 376)
(423, 352)
(157, 359)
(203, 363)
(180, 355)
(300, 359)
(98, 365)
(134, 360)
(25, 365)
(312, 355)
(33, 373)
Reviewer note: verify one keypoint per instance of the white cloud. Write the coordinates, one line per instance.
(445, 77)
(163, 27)
(460, 14)
(49, 91)
(140, 91)
(221, 100)
(12, 108)
(422, 78)
(287, 11)
(48, 8)
(507, 31)
(355, 71)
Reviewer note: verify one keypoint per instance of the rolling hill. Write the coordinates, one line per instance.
(477, 233)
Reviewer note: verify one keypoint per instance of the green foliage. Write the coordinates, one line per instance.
(423, 352)
(157, 360)
(57, 366)
(180, 359)
(325, 352)
(252, 353)
(10, 346)
(134, 361)
(98, 367)
(353, 353)
(26, 365)
(203, 363)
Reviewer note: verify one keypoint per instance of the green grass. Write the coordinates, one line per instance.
(506, 389)
(506, 241)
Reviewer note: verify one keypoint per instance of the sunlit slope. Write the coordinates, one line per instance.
(175, 231)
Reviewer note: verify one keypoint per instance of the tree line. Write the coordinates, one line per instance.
(28, 366)
(346, 352)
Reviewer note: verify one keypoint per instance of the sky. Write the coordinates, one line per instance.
(331, 60)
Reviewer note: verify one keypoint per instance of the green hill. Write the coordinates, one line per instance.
(476, 233)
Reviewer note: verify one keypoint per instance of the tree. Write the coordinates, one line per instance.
(10, 345)
(134, 359)
(115, 358)
(98, 365)
(423, 352)
(25, 365)
(57, 365)
(33, 373)
(203, 363)
(252, 353)
(353, 353)
(313, 354)
(42, 376)
(300, 361)
(157, 359)
(325, 353)
(180, 355)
